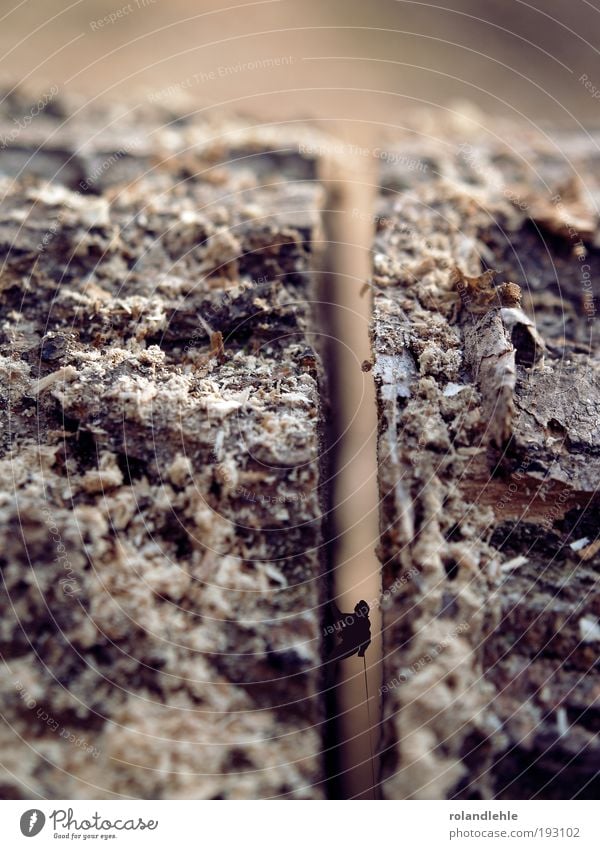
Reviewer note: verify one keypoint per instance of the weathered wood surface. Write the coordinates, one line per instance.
(161, 506)
(489, 463)
(161, 544)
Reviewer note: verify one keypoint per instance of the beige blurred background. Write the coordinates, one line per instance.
(363, 61)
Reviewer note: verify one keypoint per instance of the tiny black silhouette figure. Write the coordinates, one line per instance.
(351, 635)
(351, 631)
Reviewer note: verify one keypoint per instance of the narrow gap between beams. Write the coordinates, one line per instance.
(353, 725)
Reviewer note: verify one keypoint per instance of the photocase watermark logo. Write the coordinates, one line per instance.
(32, 822)
(66, 820)
(64, 824)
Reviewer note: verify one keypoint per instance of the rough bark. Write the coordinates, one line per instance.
(161, 544)
(489, 463)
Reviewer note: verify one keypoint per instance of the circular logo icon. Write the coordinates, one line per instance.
(32, 822)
